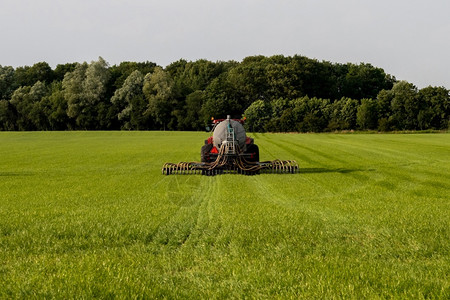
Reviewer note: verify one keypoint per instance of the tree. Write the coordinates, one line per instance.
(194, 76)
(282, 80)
(247, 81)
(384, 100)
(55, 108)
(367, 114)
(26, 100)
(314, 78)
(94, 84)
(257, 116)
(37, 114)
(313, 114)
(190, 79)
(219, 108)
(434, 108)
(342, 114)
(61, 70)
(292, 118)
(348, 113)
(119, 73)
(23, 105)
(28, 76)
(278, 107)
(287, 121)
(85, 92)
(7, 116)
(192, 111)
(6, 82)
(365, 81)
(130, 101)
(73, 91)
(404, 106)
(158, 90)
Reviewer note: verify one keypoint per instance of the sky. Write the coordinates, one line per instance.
(409, 39)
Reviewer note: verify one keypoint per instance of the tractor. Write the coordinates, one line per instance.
(230, 150)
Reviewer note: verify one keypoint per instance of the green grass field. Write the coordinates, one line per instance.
(88, 214)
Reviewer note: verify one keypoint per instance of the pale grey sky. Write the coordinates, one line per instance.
(409, 39)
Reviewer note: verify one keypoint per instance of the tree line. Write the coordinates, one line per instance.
(277, 94)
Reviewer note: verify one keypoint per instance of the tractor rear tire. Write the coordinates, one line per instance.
(253, 148)
(204, 153)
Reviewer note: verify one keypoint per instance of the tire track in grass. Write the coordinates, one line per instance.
(175, 231)
(206, 227)
(192, 225)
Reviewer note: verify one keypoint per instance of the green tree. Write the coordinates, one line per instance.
(247, 81)
(55, 108)
(6, 82)
(365, 81)
(287, 121)
(434, 108)
(367, 114)
(192, 111)
(312, 116)
(278, 106)
(73, 91)
(130, 101)
(119, 73)
(342, 114)
(27, 100)
(194, 76)
(221, 100)
(404, 106)
(314, 78)
(61, 70)
(384, 99)
(282, 80)
(293, 117)
(219, 108)
(28, 76)
(257, 116)
(7, 116)
(348, 113)
(158, 90)
(85, 91)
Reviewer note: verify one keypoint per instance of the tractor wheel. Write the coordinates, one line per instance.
(253, 148)
(204, 153)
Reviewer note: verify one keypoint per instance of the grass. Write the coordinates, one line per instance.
(88, 214)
